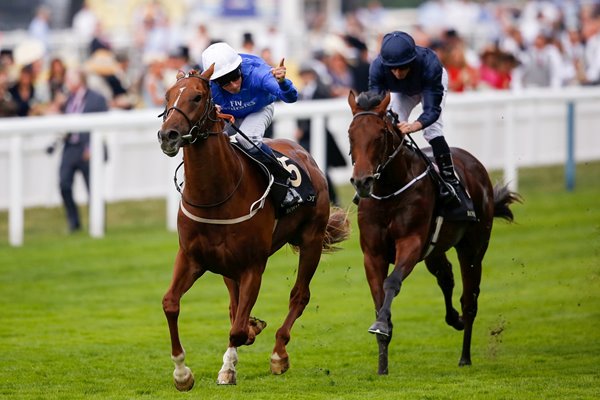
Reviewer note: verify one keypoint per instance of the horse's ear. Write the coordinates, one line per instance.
(383, 106)
(180, 74)
(208, 73)
(352, 101)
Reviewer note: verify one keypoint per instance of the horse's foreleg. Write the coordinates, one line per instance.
(440, 267)
(227, 374)
(376, 268)
(234, 294)
(255, 325)
(310, 254)
(407, 251)
(471, 278)
(383, 342)
(248, 288)
(184, 277)
(407, 255)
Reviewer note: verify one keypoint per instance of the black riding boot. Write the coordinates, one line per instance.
(283, 196)
(451, 191)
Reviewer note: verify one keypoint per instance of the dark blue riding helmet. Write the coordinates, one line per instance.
(397, 49)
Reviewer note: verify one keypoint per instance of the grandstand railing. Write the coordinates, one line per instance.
(505, 130)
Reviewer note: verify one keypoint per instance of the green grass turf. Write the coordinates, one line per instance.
(81, 318)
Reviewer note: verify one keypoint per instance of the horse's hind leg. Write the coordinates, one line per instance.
(470, 264)
(441, 268)
(184, 277)
(310, 254)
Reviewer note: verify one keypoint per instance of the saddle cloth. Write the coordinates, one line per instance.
(299, 180)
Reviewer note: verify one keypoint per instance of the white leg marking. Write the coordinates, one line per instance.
(181, 373)
(227, 374)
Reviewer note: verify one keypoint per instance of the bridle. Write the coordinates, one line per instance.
(196, 129)
(390, 130)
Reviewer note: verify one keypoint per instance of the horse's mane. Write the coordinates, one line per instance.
(369, 100)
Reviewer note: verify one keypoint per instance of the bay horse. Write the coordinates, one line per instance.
(227, 225)
(399, 222)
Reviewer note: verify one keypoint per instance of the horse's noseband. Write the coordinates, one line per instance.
(194, 127)
(195, 132)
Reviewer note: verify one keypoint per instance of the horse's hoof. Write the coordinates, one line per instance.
(464, 362)
(227, 377)
(379, 328)
(455, 321)
(257, 325)
(278, 364)
(184, 383)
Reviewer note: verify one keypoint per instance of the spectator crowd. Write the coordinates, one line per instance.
(491, 45)
(540, 43)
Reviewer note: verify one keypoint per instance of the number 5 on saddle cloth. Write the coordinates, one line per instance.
(291, 186)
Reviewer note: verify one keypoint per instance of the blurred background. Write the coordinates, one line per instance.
(524, 81)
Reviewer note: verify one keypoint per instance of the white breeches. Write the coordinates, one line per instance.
(255, 124)
(403, 105)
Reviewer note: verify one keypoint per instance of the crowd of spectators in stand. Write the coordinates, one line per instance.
(539, 44)
(483, 46)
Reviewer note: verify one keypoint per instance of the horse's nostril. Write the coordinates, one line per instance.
(173, 135)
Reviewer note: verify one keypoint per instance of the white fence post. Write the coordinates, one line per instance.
(96, 201)
(318, 140)
(173, 196)
(16, 212)
(510, 166)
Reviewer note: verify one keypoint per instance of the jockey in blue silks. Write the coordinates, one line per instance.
(246, 87)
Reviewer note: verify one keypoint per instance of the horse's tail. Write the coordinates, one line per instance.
(503, 198)
(338, 229)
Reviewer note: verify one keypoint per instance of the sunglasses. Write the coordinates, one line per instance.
(230, 77)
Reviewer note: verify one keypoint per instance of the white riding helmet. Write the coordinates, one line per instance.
(225, 58)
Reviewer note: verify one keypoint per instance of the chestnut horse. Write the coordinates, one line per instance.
(227, 225)
(399, 219)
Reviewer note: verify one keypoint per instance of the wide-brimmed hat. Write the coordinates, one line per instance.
(102, 62)
(28, 51)
(154, 57)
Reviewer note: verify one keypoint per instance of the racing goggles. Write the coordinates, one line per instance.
(230, 77)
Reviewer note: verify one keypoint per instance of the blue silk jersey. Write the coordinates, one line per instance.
(259, 89)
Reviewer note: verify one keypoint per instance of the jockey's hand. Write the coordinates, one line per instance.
(409, 127)
(279, 72)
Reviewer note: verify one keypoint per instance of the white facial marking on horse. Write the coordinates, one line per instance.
(178, 96)
(176, 101)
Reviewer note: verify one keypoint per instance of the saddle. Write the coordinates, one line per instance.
(299, 186)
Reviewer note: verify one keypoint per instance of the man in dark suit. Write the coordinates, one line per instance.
(76, 150)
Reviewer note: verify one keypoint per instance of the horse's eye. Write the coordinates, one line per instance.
(197, 98)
